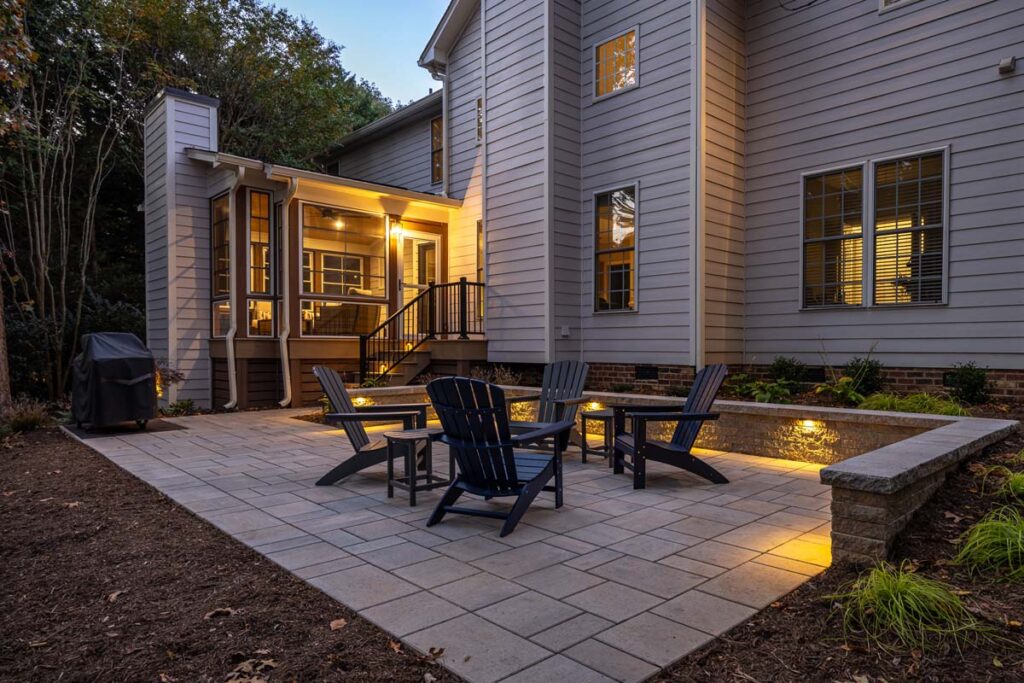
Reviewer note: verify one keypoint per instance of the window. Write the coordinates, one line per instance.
(615, 64)
(261, 318)
(909, 229)
(615, 250)
(479, 120)
(437, 150)
(833, 209)
(479, 251)
(260, 272)
(220, 265)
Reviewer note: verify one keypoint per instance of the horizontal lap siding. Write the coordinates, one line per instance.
(641, 135)
(400, 158)
(725, 81)
(156, 230)
(465, 153)
(840, 83)
(517, 277)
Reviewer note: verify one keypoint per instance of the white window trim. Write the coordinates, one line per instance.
(480, 121)
(868, 232)
(594, 97)
(270, 245)
(883, 8)
(636, 249)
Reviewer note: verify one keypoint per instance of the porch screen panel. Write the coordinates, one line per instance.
(615, 250)
(322, 318)
(344, 253)
(909, 230)
(833, 238)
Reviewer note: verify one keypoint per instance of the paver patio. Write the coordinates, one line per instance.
(614, 586)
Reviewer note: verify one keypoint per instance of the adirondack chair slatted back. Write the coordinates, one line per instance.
(562, 380)
(474, 417)
(702, 394)
(334, 387)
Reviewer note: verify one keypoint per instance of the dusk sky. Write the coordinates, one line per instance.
(382, 39)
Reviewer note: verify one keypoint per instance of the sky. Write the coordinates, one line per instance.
(382, 39)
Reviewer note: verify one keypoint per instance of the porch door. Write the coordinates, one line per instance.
(419, 267)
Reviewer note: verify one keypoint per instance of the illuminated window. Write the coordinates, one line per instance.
(479, 120)
(261, 318)
(259, 243)
(437, 150)
(908, 229)
(615, 250)
(615, 64)
(220, 265)
(833, 238)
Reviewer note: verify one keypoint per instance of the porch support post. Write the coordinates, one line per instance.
(463, 308)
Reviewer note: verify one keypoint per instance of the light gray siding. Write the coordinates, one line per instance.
(641, 136)
(724, 118)
(157, 242)
(517, 206)
(840, 83)
(401, 158)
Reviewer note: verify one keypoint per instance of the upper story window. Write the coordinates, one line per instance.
(615, 64)
(479, 120)
(833, 238)
(220, 265)
(909, 229)
(437, 150)
(260, 273)
(615, 250)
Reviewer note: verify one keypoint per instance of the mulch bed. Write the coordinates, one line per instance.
(800, 638)
(105, 579)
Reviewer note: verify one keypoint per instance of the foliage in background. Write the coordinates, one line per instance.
(841, 390)
(762, 391)
(866, 374)
(679, 390)
(180, 408)
(24, 415)
(914, 403)
(622, 388)
(497, 374)
(893, 606)
(995, 545)
(787, 369)
(968, 383)
(74, 87)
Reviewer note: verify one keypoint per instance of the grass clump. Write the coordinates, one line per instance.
(914, 403)
(996, 545)
(25, 415)
(894, 606)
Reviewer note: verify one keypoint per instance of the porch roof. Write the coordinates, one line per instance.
(288, 173)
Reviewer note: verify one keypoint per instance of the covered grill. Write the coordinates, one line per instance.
(114, 380)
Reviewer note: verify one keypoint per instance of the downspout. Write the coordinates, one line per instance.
(285, 328)
(229, 341)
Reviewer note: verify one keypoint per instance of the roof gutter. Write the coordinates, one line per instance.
(229, 341)
(286, 329)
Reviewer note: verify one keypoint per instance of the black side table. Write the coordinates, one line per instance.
(407, 441)
(605, 417)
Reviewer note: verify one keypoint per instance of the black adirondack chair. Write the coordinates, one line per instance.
(693, 414)
(368, 452)
(561, 393)
(474, 416)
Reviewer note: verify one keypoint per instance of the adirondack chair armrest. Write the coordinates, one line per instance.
(552, 429)
(392, 416)
(670, 416)
(571, 401)
(420, 410)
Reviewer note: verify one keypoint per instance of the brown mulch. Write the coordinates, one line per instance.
(104, 579)
(800, 638)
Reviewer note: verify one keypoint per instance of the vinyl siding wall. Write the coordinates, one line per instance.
(517, 207)
(465, 153)
(401, 158)
(641, 135)
(724, 84)
(157, 243)
(840, 83)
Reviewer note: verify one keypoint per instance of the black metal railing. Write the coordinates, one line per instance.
(451, 310)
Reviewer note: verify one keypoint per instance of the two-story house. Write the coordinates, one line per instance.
(648, 185)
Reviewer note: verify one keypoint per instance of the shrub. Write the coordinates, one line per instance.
(622, 388)
(497, 374)
(968, 383)
(181, 408)
(678, 390)
(894, 605)
(762, 391)
(843, 390)
(866, 374)
(25, 415)
(996, 545)
(787, 369)
(914, 403)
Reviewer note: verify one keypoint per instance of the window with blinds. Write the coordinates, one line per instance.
(615, 64)
(833, 235)
(909, 227)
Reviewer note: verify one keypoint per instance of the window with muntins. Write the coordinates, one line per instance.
(437, 150)
(615, 250)
(260, 273)
(909, 229)
(833, 238)
(220, 266)
(615, 64)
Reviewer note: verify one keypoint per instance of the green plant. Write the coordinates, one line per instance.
(894, 605)
(914, 403)
(996, 545)
(866, 374)
(787, 369)
(180, 408)
(842, 390)
(622, 388)
(968, 383)
(497, 374)
(763, 391)
(325, 404)
(375, 382)
(25, 415)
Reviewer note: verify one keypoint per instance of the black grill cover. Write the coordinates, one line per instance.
(114, 380)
